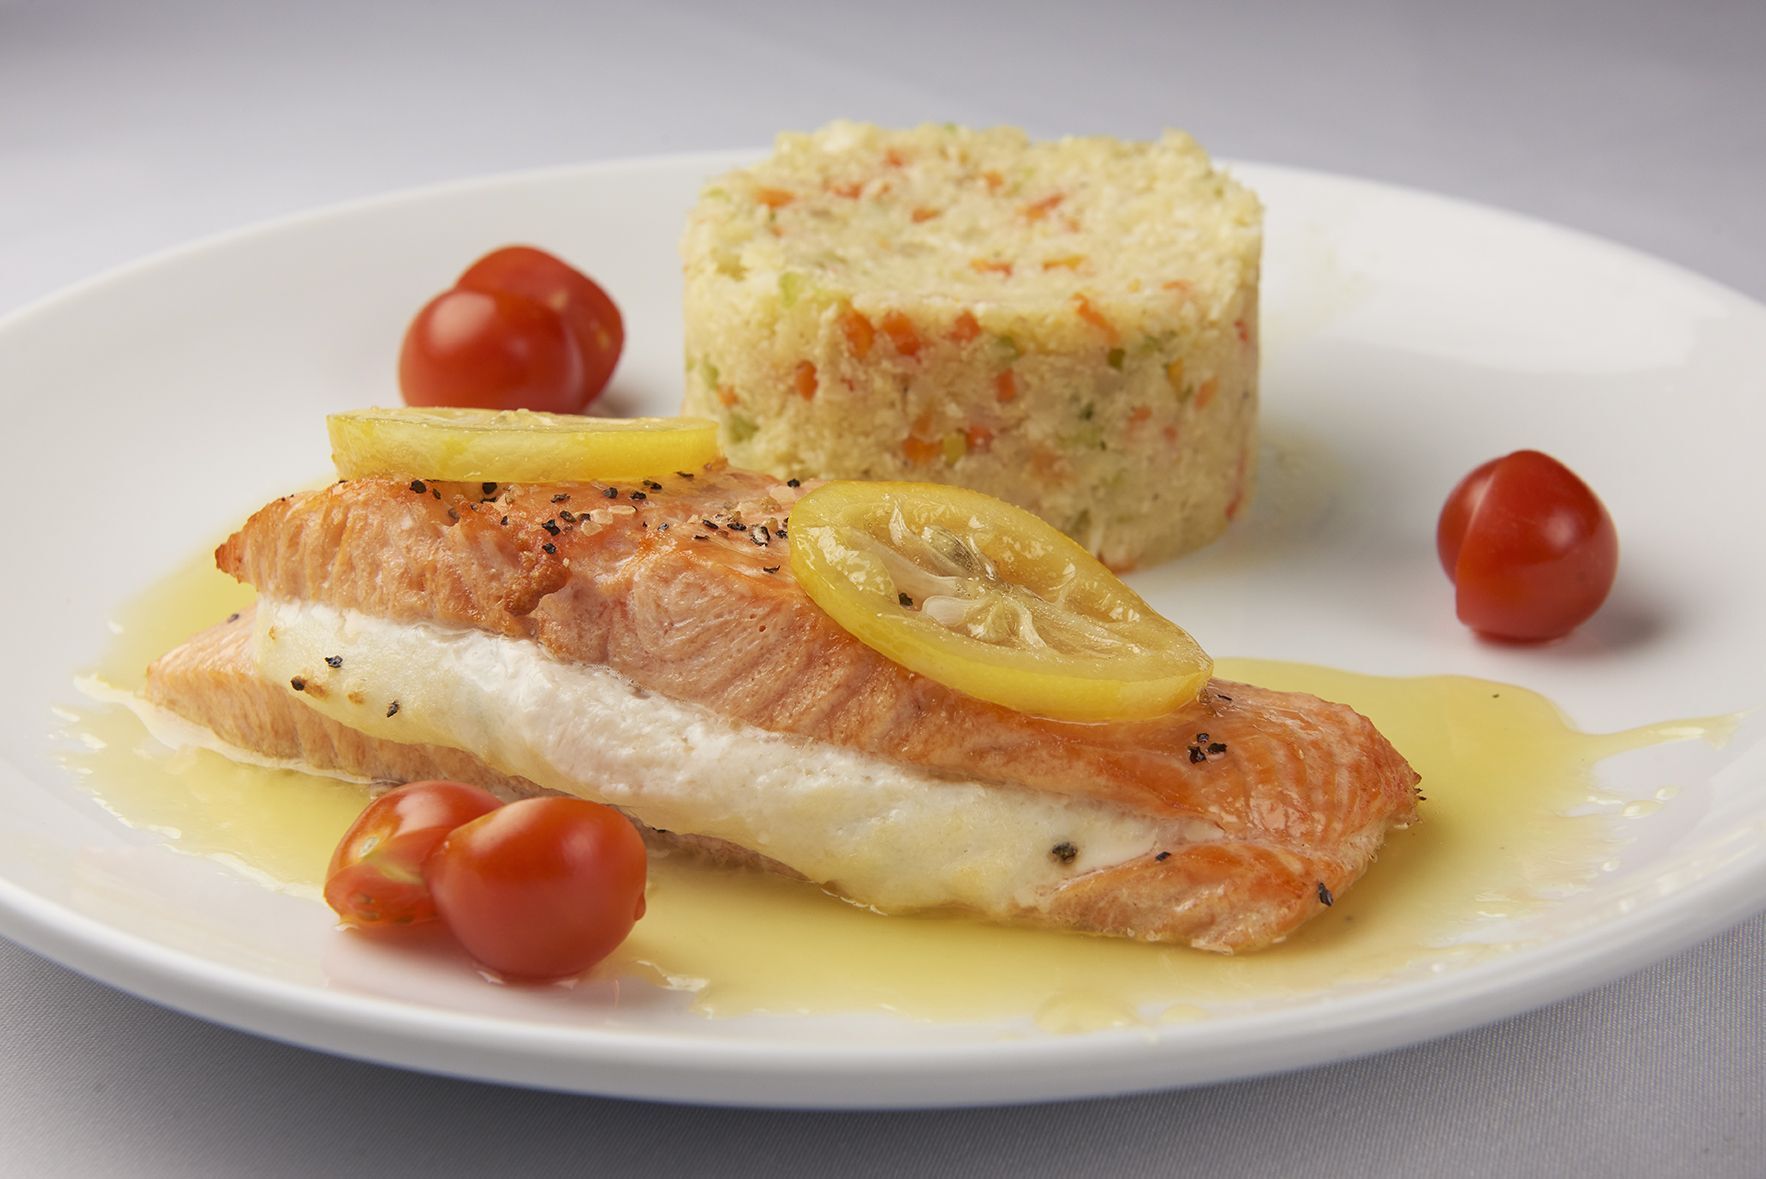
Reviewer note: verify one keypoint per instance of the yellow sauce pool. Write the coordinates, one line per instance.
(1512, 817)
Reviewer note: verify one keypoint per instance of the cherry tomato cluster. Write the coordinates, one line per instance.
(520, 329)
(1530, 549)
(538, 889)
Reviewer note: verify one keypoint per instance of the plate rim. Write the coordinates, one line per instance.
(418, 1036)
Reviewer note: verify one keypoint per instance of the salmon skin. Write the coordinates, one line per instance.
(1257, 807)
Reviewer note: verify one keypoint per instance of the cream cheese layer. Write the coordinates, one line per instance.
(881, 833)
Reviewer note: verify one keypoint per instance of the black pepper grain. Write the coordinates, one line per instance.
(334, 661)
(793, 483)
(653, 485)
(684, 474)
(904, 600)
(1217, 747)
(1324, 895)
(419, 486)
(488, 488)
(549, 547)
(566, 515)
(1197, 755)
(639, 495)
(298, 684)
(551, 526)
(561, 498)
(611, 493)
(769, 568)
(1162, 857)
(392, 709)
(1063, 853)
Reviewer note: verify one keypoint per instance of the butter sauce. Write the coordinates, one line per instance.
(1512, 817)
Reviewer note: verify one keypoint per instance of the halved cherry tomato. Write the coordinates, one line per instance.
(590, 315)
(540, 889)
(492, 350)
(376, 873)
(1531, 550)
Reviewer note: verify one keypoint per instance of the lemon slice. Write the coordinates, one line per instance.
(990, 600)
(515, 446)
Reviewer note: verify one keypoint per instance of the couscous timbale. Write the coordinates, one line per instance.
(1069, 325)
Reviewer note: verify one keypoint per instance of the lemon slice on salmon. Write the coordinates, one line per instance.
(515, 445)
(990, 600)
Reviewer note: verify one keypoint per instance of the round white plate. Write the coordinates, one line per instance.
(1408, 338)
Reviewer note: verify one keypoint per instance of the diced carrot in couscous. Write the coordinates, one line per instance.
(1091, 315)
(902, 333)
(859, 333)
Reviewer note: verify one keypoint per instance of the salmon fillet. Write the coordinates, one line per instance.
(1256, 807)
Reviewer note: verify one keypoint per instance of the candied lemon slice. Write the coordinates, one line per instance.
(990, 600)
(515, 445)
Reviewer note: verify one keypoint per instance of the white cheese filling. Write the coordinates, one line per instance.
(878, 832)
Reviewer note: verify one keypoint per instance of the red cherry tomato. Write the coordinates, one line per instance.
(593, 320)
(376, 873)
(541, 889)
(1529, 547)
(494, 350)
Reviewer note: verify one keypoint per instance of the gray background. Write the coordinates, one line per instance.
(125, 128)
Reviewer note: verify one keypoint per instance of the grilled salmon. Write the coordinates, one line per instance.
(647, 646)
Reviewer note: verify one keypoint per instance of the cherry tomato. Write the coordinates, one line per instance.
(376, 873)
(493, 350)
(541, 889)
(1529, 547)
(588, 313)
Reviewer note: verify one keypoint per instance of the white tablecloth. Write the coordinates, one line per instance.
(128, 127)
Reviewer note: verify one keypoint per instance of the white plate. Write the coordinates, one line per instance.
(1407, 338)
